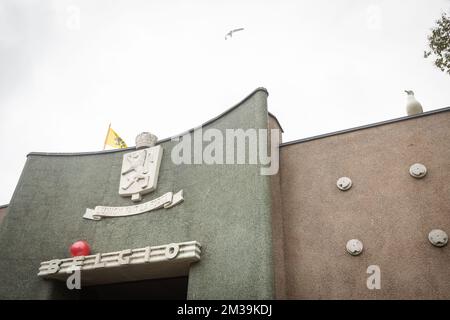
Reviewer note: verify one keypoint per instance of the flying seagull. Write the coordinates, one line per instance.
(412, 105)
(230, 34)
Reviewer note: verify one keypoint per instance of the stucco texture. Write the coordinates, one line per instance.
(226, 209)
(2, 213)
(387, 209)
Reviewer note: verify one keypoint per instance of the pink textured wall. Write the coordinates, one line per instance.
(387, 209)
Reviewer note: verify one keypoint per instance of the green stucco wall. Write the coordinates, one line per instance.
(226, 209)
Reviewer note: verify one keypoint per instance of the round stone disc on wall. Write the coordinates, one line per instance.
(438, 238)
(418, 170)
(344, 183)
(354, 247)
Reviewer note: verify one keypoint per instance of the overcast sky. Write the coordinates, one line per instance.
(68, 68)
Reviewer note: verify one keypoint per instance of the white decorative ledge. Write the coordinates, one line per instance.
(166, 261)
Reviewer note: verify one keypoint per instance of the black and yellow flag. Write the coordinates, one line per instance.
(114, 140)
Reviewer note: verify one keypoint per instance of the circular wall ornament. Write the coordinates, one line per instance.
(344, 183)
(438, 238)
(354, 247)
(172, 250)
(418, 170)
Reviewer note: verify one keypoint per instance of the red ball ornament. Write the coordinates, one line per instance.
(80, 248)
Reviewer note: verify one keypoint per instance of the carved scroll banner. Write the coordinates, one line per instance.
(167, 200)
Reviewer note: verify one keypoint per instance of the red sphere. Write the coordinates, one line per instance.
(80, 248)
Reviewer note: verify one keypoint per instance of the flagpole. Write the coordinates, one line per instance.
(107, 134)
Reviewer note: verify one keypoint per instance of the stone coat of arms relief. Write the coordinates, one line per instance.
(139, 176)
(139, 173)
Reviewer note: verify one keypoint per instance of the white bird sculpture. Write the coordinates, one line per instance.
(412, 105)
(230, 34)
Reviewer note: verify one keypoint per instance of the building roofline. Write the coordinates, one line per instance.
(278, 122)
(3, 206)
(372, 125)
(61, 154)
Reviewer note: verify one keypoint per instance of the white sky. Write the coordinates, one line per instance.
(164, 66)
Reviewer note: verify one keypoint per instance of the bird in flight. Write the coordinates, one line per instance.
(230, 34)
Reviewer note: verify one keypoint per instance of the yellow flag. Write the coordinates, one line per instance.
(113, 140)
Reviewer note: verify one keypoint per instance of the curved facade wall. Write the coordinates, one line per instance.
(226, 209)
